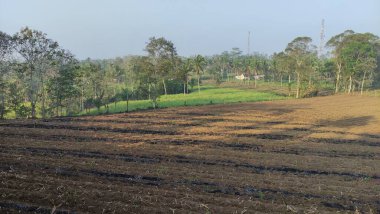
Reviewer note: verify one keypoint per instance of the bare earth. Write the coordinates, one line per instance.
(317, 155)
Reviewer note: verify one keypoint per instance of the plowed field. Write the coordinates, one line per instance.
(317, 155)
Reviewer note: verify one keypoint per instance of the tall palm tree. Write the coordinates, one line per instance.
(183, 72)
(199, 62)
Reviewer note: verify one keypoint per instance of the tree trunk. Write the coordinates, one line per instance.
(184, 88)
(82, 97)
(345, 86)
(362, 86)
(2, 107)
(337, 83)
(43, 109)
(33, 109)
(199, 87)
(187, 86)
(309, 81)
(338, 78)
(57, 108)
(149, 92)
(95, 92)
(281, 80)
(127, 102)
(82, 100)
(31, 92)
(298, 85)
(43, 98)
(289, 86)
(163, 81)
(350, 85)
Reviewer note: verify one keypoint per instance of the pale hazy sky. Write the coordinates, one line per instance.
(110, 28)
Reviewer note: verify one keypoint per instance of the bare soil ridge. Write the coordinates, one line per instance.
(317, 155)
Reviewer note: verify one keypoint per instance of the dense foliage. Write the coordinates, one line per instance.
(40, 79)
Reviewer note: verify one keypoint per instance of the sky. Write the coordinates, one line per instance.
(111, 28)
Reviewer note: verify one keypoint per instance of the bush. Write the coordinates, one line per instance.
(88, 104)
(174, 87)
(3, 111)
(23, 111)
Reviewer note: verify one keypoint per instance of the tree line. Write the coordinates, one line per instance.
(38, 78)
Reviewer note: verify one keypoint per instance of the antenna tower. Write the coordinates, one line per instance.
(322, 44)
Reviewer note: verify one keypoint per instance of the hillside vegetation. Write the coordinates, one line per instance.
(41, 79)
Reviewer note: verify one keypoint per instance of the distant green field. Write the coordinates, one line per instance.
(208, 95)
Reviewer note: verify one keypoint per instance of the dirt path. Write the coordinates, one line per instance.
(318, 155)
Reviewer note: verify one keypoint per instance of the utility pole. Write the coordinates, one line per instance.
(249, 36)
(322, 39)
